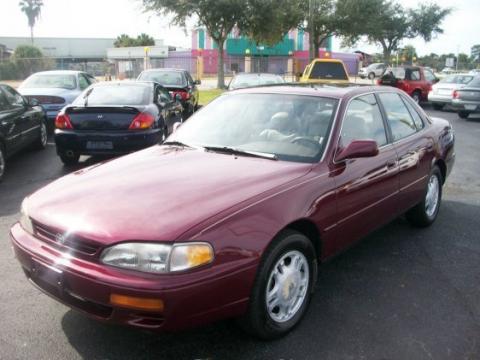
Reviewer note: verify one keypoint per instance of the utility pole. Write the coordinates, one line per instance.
(311, 34)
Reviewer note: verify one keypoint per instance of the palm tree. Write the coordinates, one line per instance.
(31, 8)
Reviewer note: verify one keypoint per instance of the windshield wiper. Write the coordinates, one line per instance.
(176, 143)
(234, 151)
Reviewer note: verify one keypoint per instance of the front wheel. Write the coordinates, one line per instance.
(282, 288)
(41, 142)
(425, 213)
(463, 114)
(371, 76)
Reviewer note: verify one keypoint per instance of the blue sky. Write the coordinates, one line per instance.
(109, 18)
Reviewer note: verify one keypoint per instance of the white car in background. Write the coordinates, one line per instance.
(442, 92)
(372, 71)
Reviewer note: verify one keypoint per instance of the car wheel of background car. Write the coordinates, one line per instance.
(463, 114)
(416, 96)
(69, 158)
(371, 76)
(41, 142)
(283, 286)
(425, 213)
(437, 106)
(2, 162)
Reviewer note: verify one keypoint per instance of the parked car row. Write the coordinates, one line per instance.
(153, 239)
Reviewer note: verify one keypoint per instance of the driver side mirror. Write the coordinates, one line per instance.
(358, 149)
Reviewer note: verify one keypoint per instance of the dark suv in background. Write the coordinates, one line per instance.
(176, 81)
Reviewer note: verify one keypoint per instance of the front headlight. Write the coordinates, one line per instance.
(25, 220)
(158, 258)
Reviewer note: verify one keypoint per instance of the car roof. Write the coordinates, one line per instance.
(164, 69)
(60, 72)
(124, 83)
(320, 90)
(259, 74)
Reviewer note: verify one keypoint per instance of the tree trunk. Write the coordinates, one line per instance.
(311, 45)
(31, 34)
(220, 72)
(387, 53)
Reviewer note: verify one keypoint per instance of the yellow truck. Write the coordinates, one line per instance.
(325, 71)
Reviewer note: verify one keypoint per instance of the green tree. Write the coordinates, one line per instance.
(218, 16)
(389, 23)
(32, 9)
(28, 59)
(144, 40)
(124, 41)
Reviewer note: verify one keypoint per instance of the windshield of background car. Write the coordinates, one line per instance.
(115, 95)
(329, 71)
(61, 81)
(243, 81)
(166, 78)
(457, 79)
(292, 127)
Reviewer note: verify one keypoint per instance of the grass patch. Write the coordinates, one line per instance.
(208, 95)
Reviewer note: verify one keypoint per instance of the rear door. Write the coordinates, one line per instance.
(10, 123)
(413, 145)
(170, 110)
(366, 188)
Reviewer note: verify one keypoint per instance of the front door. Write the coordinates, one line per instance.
(13, 122)
(366, 188)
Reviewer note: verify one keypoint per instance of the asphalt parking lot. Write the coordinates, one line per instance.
(402, 293)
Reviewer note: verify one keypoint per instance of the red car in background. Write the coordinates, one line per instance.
(234, 214)
(416, 81)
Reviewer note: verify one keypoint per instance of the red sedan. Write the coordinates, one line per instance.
(235, 213)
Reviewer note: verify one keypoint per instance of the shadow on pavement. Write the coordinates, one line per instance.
(402, 293)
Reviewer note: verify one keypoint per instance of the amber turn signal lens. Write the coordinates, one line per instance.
(136, 302)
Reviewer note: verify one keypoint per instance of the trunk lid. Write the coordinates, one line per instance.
(102, 117)
(469, 94)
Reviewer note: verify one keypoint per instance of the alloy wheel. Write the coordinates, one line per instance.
(287, 286)
(43, 134)
(2, 163)
(432, 197)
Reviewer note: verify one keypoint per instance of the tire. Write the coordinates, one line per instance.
(41, 142)
(463, 114)
(371, 76)
(425, 213)
(3, 162)
(294, 290)
(437, 106)
(416, 96)
(69, 159)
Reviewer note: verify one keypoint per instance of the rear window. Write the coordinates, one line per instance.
(61, 81)
(457, 79)
(242, 81)
(401, 73)
(475, 82)
(328, 70)
(115, 95)
(166, 78)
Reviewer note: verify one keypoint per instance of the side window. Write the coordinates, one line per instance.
(91, 79)
(189, 78)
(398, 116)
(163, 96)
(363, 120)
(415, 75)
(3, 102)
(429, 75)
(417, 119)
(13, 97)
(82, 82)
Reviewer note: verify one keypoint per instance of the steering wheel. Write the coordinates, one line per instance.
(303, 140)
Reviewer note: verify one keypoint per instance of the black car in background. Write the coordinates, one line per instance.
(466, 100)
(115, 118)
(22, 124)
(176, 81)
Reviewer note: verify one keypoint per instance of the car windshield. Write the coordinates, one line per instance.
(291, 127)
(248, 80)
(62, 81)
(457, 79)
(166, 78)
(115, 94)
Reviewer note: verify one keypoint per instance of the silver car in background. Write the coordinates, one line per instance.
(55, 89)
(244, 80)
(466, 100)
(442, 92)
(372, 71)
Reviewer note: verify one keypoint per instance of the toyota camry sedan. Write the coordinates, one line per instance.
(235, 213)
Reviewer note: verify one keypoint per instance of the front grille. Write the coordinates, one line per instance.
(45, 99)
(64, 241)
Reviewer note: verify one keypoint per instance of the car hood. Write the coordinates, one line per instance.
(155, 194)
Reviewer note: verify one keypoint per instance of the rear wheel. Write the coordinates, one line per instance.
(425, 213)
(282, 288)
(69, 157)
(437, 106)
(371, 76)
(41, 142)
(463, 114)
(2, 162)
(416, 96)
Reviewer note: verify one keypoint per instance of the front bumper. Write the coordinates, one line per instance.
(190, 299)
(122, 142)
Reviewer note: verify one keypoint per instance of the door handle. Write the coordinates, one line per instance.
(391, 164)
